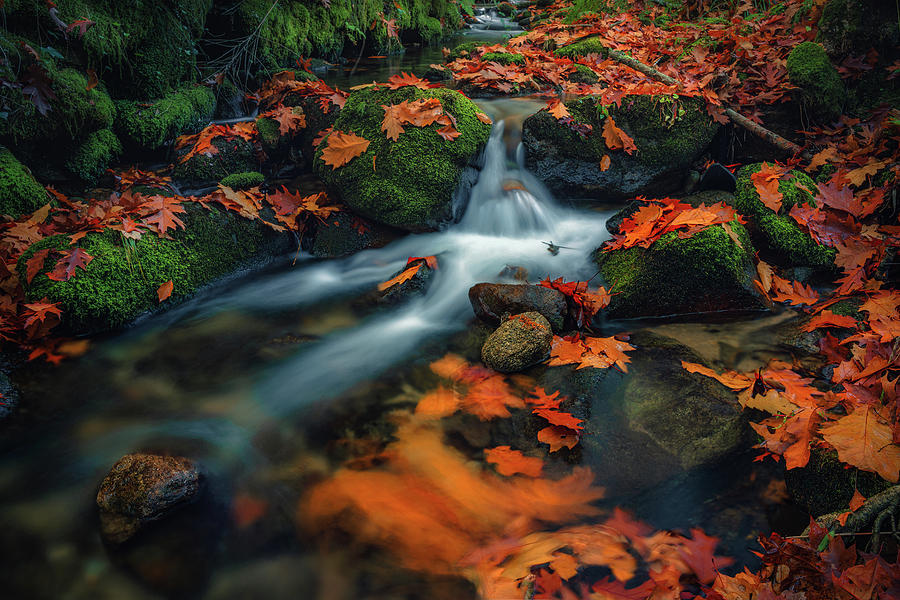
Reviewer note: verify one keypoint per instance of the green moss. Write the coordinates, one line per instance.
(464, 50)
(269, 135)
(848, 307)
(584, 74)
(233, 156)
(283, 31)
(778, 234)
(20, 193)
(667, 130)
(121, 281)
(591, 45)
(504, 58)
(506, 9)
(94, 156)
(244, 181)
(413, 180)
(581, 8)
(820, 85)
(150, 126)
(431, 30)
(143, 49)
(74, 113)
(705, 272)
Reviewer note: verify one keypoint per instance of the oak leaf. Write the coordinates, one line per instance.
(615, 138)
(509, 461)
(70, 261)
(863, 439)
(342, 148)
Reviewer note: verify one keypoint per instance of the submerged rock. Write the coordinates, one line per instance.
(344, 233)
(706, 272)
(142, 488)
(566, 156)
(658, 421)
(522, 341)
(492, 302)
(418, 182)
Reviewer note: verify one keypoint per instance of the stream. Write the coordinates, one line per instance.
(259, 376)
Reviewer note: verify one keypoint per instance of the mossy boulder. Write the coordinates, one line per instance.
(582, 48)
(504, 58)
(243, 181)
(464, 50)
(90, 161)
(151, 125)
(854, 26)
(20, 193)
(584, 74)
(317, 119)
(821, 89)
(825, 485)
(277, 145)
(418, 182)
(778, 236)
(706, 272)
(233, 155)
(670, 133)
(121, 281)
(344, 233)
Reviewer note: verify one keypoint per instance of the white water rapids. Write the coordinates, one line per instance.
(509, 219)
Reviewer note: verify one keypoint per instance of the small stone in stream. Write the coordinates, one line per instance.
(522, 341)
(142, 488)
(491, 301)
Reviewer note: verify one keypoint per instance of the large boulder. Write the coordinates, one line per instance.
(709, 271)
(657, 421)
(418, 182)
(492, 302)
(522, 341)
(778, 236)
(142, 488)
(670, 134)
(150, 125)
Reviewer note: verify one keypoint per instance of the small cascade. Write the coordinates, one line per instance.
(488, 19)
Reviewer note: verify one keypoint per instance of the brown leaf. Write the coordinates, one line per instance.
(342, 148)
(165, 290)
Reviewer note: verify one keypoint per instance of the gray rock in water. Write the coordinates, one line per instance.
(142, 488)
(520, 342)
(493, 300)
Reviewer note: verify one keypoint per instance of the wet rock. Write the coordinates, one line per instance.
(492, 302)
(9, 396)
(658, 420)
(824, 485)
(142, 488)
(416, 285)
(566, 156)
(706, 272)
(520, 342)
(344, 233)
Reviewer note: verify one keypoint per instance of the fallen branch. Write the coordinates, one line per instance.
(736, 117)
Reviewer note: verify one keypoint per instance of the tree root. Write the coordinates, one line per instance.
(877, 517)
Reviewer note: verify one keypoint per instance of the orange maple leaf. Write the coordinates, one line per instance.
(509, 461)
(342, 148)
(404, 275)
(863, 439)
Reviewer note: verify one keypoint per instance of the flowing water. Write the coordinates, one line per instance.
(260, 377)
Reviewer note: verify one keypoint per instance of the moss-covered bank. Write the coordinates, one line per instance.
(410, 183)
(121, 281)
(20, 193)
(150, 125)
(821, 89)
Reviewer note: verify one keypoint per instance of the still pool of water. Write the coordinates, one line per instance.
(273, 379)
